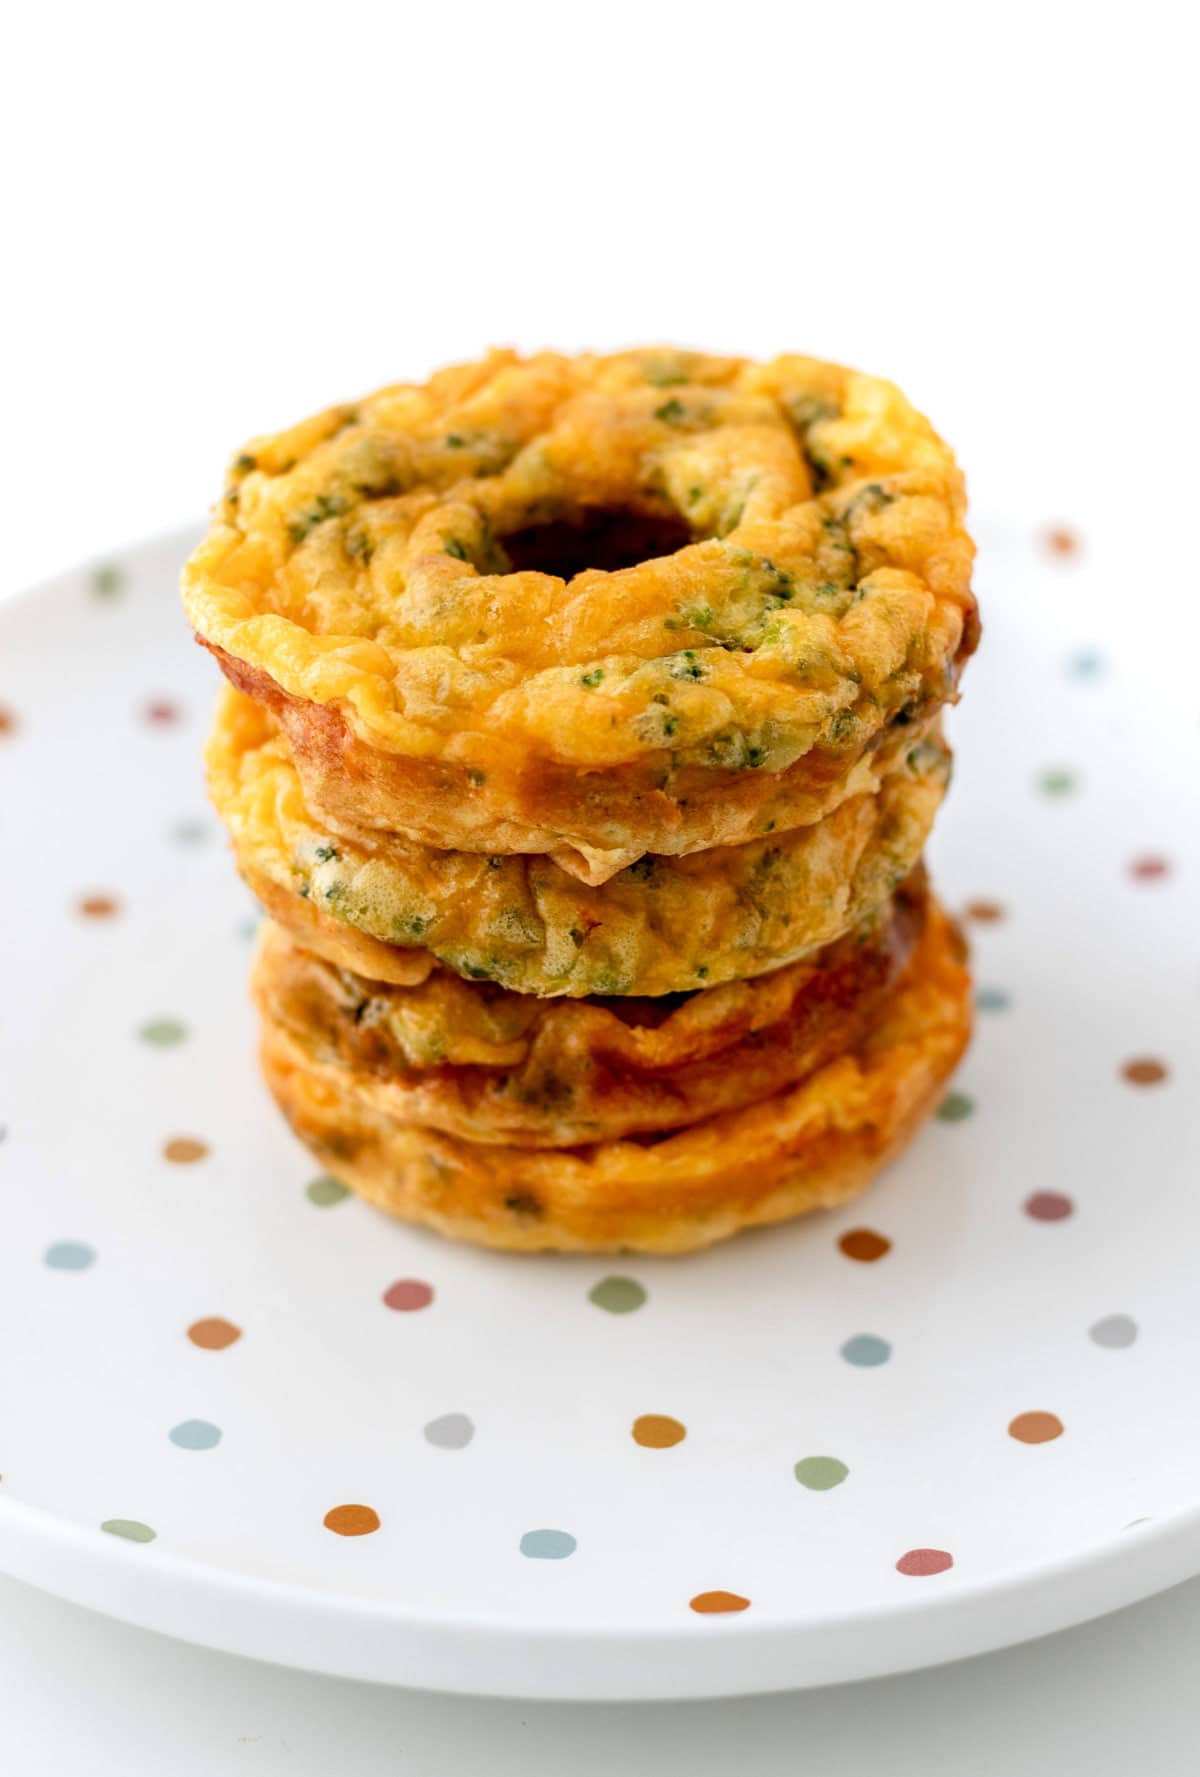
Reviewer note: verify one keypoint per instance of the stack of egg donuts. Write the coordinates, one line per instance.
(581, 742)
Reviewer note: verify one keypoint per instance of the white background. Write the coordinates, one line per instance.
(222, 216)
(219, 217)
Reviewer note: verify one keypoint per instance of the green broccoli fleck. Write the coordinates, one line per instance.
(324, 506)
(697, 617)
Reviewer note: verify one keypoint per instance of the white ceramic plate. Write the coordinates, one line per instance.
(203, 1355)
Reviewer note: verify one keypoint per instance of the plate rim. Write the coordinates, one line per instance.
(379, 1641)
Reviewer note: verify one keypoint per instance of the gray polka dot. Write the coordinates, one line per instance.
(453, 1431)
(1115, 1332)
(193, 831)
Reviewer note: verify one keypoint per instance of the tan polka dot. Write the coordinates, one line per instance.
(352, 1520)
(1035, 1428)
(658, 1431)
(1144, 1070)
(1060, 540)
(214, 1333)
(717, 1603)
(98, 906)
(985, 913)
(185, 1150)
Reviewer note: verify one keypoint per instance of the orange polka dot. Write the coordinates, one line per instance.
(1062, 541)
(8, 721)
(658, 1431)
(352, 1520)
(985, 913)
(711, 1604)
(98, 906)
(185, 1150)
(864, 1244)
(1035, 1428)
(1144, 1070)
(214, 1333)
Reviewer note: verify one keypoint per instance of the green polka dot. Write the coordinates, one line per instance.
(1058, 782)
(325, 1192)
(820, 1473)
(617, 1295)
(163, 1033)
(130, 1529)
(866, 1351)
(956, 1107)
(108, 581)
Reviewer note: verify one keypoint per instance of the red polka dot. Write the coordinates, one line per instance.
(408, 1294)
(1151, 868)
(986, 913)
(920, 1563)
(1049, 1206)
(161, 713)
(8, 721)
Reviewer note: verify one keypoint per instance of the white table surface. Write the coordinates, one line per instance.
(226, 216)
(83, 1697)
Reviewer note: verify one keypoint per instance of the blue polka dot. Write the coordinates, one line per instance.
(548, 1545)
(866, 1350)
(992, 999)
(70, 1255)
(195, 1434)
(1086, 663)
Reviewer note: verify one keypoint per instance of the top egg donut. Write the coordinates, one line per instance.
(594, 606)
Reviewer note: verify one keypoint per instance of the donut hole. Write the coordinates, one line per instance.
(603, 537)
(642, 1014)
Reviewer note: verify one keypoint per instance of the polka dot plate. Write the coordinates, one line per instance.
(239, 1406)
